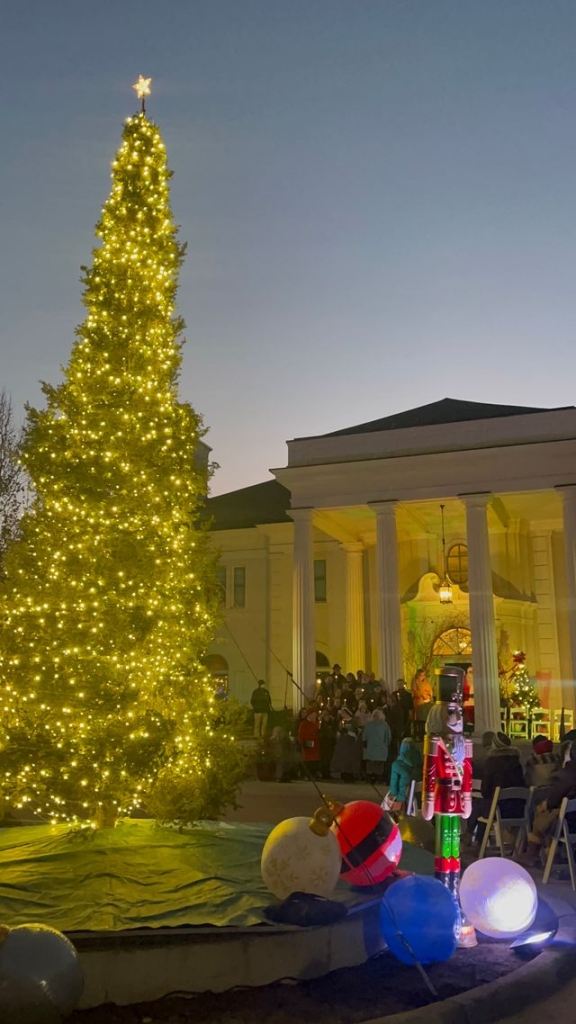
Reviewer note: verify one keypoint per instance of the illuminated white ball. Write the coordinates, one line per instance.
(295, 859)
(499, 897)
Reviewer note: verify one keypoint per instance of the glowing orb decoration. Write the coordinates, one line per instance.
(425, 914)
(499, 897)
(370, 842)
(297, 859)
(40, 975)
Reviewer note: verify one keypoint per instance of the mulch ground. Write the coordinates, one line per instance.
(379, 988)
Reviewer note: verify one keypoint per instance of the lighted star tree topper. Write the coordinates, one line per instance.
(108, 602)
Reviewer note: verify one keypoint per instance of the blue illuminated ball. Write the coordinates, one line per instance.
(427, 916)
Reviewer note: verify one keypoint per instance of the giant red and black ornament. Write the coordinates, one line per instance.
(369, 840)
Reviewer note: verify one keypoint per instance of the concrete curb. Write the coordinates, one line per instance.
(526, 988)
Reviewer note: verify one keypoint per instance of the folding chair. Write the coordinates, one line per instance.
(561, 717)
(496, 823)
(413, 799)
(519, 724)
(540, 723)
(562, 834)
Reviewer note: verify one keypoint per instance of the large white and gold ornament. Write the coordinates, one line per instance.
(301, 855)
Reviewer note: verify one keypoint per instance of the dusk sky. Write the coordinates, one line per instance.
(378, 196)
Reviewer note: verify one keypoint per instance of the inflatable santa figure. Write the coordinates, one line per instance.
(447, 780)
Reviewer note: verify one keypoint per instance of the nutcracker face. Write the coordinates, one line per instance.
(454, 721)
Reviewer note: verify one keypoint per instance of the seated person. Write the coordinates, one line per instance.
(564, 784)
(501, 768)
(543, 764)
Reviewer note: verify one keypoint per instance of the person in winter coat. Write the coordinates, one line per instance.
(347, 757)
(282, 753)
(328, 728)
(422, 698)
(406, 701)
(546, 814)
(309, 741)
(262, 706)
(501, 768)
(396, 720)
(376, 737)
(406, 768)
(543, 764)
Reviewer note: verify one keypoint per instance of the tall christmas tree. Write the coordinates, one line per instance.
(107, 607)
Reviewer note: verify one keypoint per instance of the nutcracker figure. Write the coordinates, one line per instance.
(447, 780)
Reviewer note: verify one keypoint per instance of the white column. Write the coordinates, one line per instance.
(303, 646)
(389, 622)
(568, 495)
(482, 624)
(355, 632)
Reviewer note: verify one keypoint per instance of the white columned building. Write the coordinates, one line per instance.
(484, 651)
(568, 495)
(355, 628)
(303, 647)
(389, 639)
(358, 512)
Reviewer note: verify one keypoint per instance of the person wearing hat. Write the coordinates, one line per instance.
(338, 679)
(543, 764)
(447, 779)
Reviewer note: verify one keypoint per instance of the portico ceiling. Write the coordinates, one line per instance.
(422, 518)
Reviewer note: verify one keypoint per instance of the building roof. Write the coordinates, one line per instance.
(447, 410)
(250, 506)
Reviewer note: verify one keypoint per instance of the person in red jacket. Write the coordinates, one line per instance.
(309, 741)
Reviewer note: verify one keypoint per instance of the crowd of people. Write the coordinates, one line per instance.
(353, 730)
(551, 773)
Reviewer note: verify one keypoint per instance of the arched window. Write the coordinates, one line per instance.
(322, 665)
(453, 643)
(457, 564)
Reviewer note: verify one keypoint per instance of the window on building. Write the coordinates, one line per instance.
(457, 563)
(239, 587)
(221, 581)
(320, 580)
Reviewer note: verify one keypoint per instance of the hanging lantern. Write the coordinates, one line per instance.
(445, 589)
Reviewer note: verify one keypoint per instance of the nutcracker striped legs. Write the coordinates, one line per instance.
(447, 859)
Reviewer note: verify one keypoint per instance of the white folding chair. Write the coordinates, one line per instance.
(413, 800)
(495, 822)
(562, 834)
(541, 723)
(519, 725)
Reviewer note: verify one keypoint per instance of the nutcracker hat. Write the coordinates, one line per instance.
(450, 685)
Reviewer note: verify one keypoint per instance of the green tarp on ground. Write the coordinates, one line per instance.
(142, 875)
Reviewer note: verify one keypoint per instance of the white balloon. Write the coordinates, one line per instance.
(296, 859)
(499, 897)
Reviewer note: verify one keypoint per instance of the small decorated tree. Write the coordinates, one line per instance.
(517, 688)
(110, 595)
